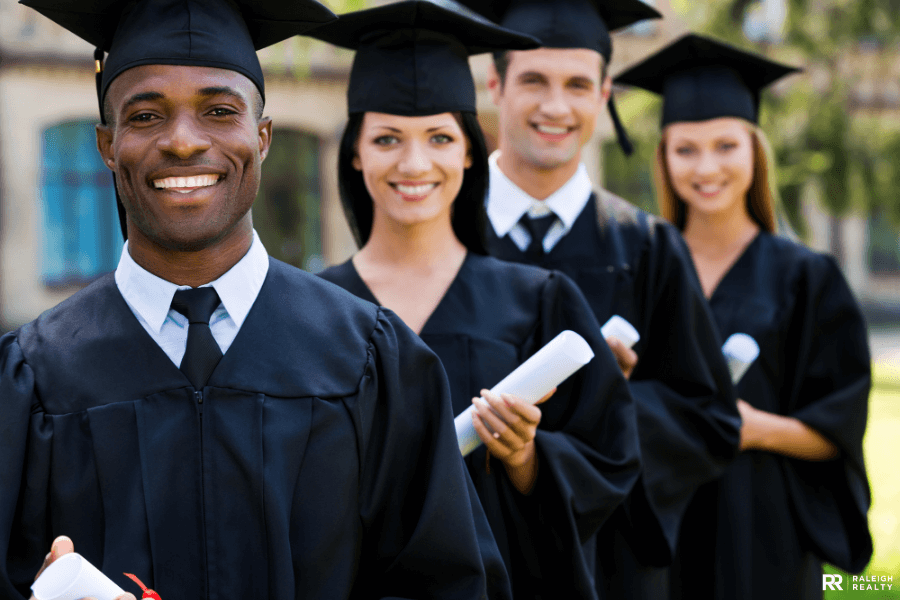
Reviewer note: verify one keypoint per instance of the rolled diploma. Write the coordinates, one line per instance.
(740, 351)
(71, 577)
(620, 329)
(532, 380)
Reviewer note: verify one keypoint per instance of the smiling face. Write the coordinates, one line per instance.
(186, 148)
(412, 167)
(549, 101)
(710, 164)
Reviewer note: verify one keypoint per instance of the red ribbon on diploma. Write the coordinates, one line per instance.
(147, 592)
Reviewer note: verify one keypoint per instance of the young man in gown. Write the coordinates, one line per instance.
(291, 455)
(543, 210)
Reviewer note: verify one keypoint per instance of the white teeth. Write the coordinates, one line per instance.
(709, 188)
(552, 130)
(196, 181)
(415, 190)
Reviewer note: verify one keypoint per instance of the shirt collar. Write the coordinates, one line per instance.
(151, 296)
(507, 202)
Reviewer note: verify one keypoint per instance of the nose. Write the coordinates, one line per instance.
(553, 104)
(707, 164)
(414, 159)
(184, 137)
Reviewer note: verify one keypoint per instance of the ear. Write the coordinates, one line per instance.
(606, 89)
(494, 85)
(264, 129)
(104, 146)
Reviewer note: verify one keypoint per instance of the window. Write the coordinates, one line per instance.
(286, 213)
(82, 239)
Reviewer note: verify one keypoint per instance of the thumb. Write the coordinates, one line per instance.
(61, 545)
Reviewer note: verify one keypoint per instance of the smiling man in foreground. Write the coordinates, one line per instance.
(214, 421)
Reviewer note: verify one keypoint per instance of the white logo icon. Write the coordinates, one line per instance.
(830, 582)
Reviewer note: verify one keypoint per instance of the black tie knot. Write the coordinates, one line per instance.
(538, 229)
(197, 304)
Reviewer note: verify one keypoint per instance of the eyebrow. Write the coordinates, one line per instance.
(429, 130)
(207, 92)
(223, 90)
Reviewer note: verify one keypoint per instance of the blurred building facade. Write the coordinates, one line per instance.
(58, 224)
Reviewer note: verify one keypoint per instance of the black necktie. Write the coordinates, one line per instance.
(202, 353)
(538, 228)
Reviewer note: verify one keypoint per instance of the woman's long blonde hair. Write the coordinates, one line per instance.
(762, 197)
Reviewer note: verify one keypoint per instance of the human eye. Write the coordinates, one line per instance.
(142, 117)
(727, 146)
(222, 111)
(684, 150)
(385, 140)
(441, 138)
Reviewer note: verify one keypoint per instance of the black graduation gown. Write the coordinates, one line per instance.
(494, 316)
(321, 462)
(774, 519)
(635, 265)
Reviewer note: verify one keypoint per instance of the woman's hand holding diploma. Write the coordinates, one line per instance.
(507, 425)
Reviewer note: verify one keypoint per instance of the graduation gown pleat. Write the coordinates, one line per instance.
(492, 317)
(774, 519)
(629, 263)
(319, 461)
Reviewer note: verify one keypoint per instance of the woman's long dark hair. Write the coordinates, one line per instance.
(468, 216)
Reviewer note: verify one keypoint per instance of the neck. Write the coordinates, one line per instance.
(191, 267)
(537, 182)
(420, 245)
(711, 233)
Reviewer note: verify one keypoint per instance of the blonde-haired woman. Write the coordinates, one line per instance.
(798, 494)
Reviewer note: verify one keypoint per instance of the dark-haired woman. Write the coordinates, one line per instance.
(798, 493)
(413, 175)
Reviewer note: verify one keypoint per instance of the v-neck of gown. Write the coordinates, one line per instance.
(366, 292)
(742, 257)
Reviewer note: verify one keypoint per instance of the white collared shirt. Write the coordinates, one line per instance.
(150, 299)
(507, 204)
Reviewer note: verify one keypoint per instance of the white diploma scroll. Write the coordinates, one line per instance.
(532, 380)
(71, 577)
(620, 329)
(740, 351)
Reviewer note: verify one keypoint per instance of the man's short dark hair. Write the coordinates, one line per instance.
(501, 64)
(258, 106)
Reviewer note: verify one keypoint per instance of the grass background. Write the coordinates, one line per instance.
(882, 453)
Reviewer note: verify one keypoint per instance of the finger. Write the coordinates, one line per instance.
(126, 596)
(547, 397)
(501, 430)
(501, 406)
(495, 446)
(61, 545)
(529, 414)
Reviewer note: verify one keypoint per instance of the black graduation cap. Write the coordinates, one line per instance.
(571, 24)
(701, 78)
(208, 33)
(412, 57)
(567, 23)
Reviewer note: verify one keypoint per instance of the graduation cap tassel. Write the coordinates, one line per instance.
(148, 593)
(621, 134)
(120, 208)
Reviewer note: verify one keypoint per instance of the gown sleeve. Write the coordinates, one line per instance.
(687, 413)
(830, 391)
(19, 492)
(420, 538)
(587, 449)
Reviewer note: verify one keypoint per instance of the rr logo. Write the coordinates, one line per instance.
(829, 581)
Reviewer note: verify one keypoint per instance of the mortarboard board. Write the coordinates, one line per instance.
(412, 56)
(210, 33)
(571, 24)
(700, 78)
